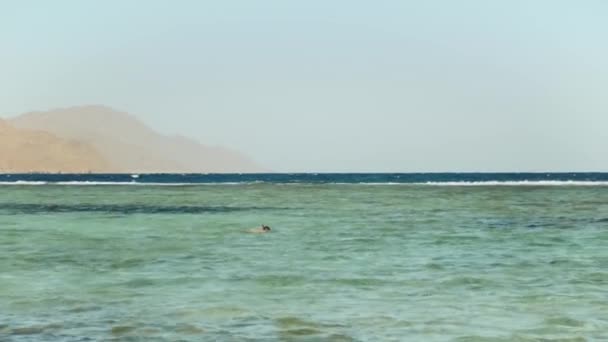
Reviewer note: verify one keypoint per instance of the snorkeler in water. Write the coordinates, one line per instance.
(260, 230)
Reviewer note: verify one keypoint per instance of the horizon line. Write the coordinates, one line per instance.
(300, 173)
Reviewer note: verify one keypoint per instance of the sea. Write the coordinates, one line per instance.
(350, 257)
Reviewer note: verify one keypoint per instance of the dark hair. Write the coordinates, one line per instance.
(265, 227)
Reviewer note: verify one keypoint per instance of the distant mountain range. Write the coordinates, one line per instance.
(100, 139)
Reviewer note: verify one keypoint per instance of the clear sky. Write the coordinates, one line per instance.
(320, 85)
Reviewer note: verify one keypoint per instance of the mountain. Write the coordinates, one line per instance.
(25, 151)
(131, 146)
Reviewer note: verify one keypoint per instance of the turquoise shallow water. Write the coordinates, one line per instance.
(343, 263)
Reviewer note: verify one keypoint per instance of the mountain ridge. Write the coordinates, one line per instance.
(28, 151)
(132, 146)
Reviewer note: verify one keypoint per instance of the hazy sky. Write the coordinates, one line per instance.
(330, 85)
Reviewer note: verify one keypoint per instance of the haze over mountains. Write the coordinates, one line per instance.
(39, 151)
(100, 139)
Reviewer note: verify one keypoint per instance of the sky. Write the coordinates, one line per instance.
(330, 86)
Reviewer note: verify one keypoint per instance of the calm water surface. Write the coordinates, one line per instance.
(343, 263)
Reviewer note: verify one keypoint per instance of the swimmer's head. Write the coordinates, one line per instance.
(265, 228)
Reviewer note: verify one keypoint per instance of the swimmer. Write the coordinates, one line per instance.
(260, 230)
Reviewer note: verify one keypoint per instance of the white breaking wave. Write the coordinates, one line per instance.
(465, 183)
(430, 183)
(116, 183)
(518, 183)
(82, 183)
(22, 182)
(90, 183)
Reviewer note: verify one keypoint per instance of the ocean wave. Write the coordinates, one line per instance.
(301, 183)
(459, 183)
(106, 183)
(80, 183)
(112, 183)
(518, 183)
(22, 182)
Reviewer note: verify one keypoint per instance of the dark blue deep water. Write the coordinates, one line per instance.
(313, 178)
